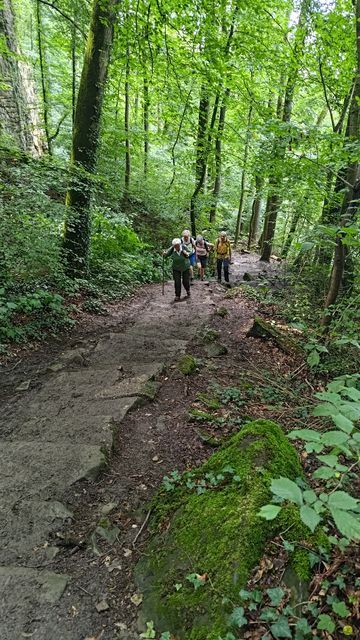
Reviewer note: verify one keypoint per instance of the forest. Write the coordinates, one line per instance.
(123, 123)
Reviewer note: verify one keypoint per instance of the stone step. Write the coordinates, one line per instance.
(115, 348)
(28, 600)
(34, 468)
(25, 530)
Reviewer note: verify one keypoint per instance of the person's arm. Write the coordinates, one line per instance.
(168, 253)
(185, 253)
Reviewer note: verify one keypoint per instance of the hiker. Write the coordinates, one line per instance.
(181, 267)
(189, 245)
(202, 252)
(223, 256)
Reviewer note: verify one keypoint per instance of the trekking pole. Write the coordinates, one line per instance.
(163, 276)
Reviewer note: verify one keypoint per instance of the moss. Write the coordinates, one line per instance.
(210, 335)
(233, 293)
(218, 533)
(202, 416)
(209, 401)
(187, 364)
(294, 530)
(222, 312)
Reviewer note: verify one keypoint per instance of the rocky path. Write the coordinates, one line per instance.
(58, 433)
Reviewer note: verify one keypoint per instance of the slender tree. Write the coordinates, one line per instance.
(86, 135)
(351, 198)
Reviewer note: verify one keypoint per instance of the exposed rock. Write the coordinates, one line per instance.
(267, 331)
(187, 364)
(215, 350)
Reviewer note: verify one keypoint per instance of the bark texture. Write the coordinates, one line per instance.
(19, 117)
(86, 135)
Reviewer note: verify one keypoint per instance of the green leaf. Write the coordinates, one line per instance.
(302, 627)
(313, 358)
(328, 396)
(325, 473)
(333, 438)
(309, 517)
(309, 496)
(342, 500)
(275, 595)
(288, 546)
(150, 631)
(325, 623)
(348, 525)
(314, 446)
(269, 614)
(281, 628)
(237, 618)
(340, 609)
(305, 434)
(343, 423)
(330, 460)
(352, 393)
(166, 636)
(269, 511)
(287, 489)
(325, 409)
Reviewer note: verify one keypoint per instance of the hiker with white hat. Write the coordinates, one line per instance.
(189, 246)
(181, 267)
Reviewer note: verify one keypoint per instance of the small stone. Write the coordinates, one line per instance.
(102, 606)
(108, 508)
(24, 385)
(115, 565)
(136, 599)
(155, 459)
(127, 553)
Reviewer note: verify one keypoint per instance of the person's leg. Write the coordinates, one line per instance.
(226, 270)
(192, 264)
(186, 281)
(219, 267)
(177, 283)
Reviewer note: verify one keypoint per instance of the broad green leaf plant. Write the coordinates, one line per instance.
(337, 450)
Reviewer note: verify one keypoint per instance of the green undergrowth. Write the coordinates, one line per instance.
(206, 524)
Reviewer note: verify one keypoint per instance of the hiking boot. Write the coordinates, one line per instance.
(219, 280)
(177, 299)
(188, 294)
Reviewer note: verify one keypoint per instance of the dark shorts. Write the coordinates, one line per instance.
(203, 261)
(192, 259)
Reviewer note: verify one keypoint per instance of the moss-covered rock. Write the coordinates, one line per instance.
(267, 331)
(222, 312)
(217, 533)
(187, 364)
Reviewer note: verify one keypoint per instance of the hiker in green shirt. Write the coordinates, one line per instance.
(181, 267)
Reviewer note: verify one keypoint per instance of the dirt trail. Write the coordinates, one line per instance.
(56, 435)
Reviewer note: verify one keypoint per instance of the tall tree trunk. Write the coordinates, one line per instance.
(201, 168)
(255, 212)
(290, 236)
(19, 109)
(127, 129)
(73, 74)
(200, 172)
(243, 176)
(86, 136)
(274, 200)
(218, 145)
(146, 122)
(43, 76)
(351, 198)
